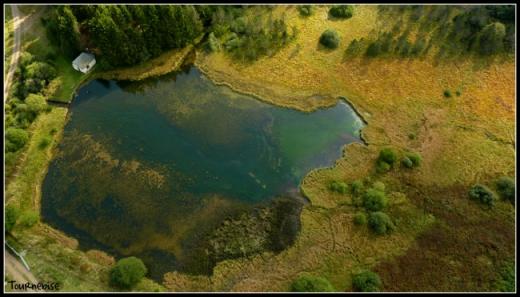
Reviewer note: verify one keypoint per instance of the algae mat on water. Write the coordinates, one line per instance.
(153, 168)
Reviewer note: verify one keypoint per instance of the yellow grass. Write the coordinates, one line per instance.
(462, 140)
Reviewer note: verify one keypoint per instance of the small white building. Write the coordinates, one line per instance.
(84, 62)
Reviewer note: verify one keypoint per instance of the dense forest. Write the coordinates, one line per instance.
(126, 35)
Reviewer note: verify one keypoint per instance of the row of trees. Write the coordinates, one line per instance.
(485, 30)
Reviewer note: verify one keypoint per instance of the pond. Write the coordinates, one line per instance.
(150, 168)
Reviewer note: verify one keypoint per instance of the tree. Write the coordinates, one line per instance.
(329, 39)
(380, 223)
(373, 49)
(305, 10)
(308, 283)
(482, 194)
(366, 281)
(127, 272)
(374, 200)
(506, 188)
(339, 187)
(63, 30)
(356, 187)
(491, 38)
(388, 155)
(15, 139)
(11, 216)
(40, 70)
(342, 11)
(35, 103)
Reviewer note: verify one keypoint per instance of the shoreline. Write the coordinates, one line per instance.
(303, 197)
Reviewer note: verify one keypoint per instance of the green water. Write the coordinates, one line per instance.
(148, 168)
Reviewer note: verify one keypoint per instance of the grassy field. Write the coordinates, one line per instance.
(443, 240)
(463, 140)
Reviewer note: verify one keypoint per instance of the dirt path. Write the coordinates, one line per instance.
(17, 28)
(16, 271)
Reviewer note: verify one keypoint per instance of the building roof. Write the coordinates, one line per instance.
(83, 60)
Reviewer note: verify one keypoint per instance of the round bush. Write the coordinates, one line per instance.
(127, 272)
(356, 187)
(308, 283)
(339, 187)
(35, 103)
(415, 158)
(374, 200)
(482, 194)
(329, 39)
(44, 142)
(360, 218)
(447, 93)
(366, 281)
(380, 223)
(388, 155)
(342, 11)
(382, 166)
(407, 162)
(506, 188)
(15, 139)
(305, 10)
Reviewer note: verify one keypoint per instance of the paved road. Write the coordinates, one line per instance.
(16, 270)
(17, 29)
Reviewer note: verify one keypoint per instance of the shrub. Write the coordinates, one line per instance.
(305, 10)
(329, 39)
(458, 93)
(407, 162)
(380, 186)
(307, 283)
(382, 167)
(356, 188)
(342, 11)
(11, 216)
(360, 218)
(374, 200)
(40, 70)
(415, 158)
(482, 194)
(447, 93)
(506, 188)
(35, 103)
(339, 187)
(374, 49)
(44, 142)
(29, 218)
(366, 281)
(411, 160)
(355, 47)
(388, 155)
(491, 38)
(127, 272)
(15, 139)
(380, 223)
